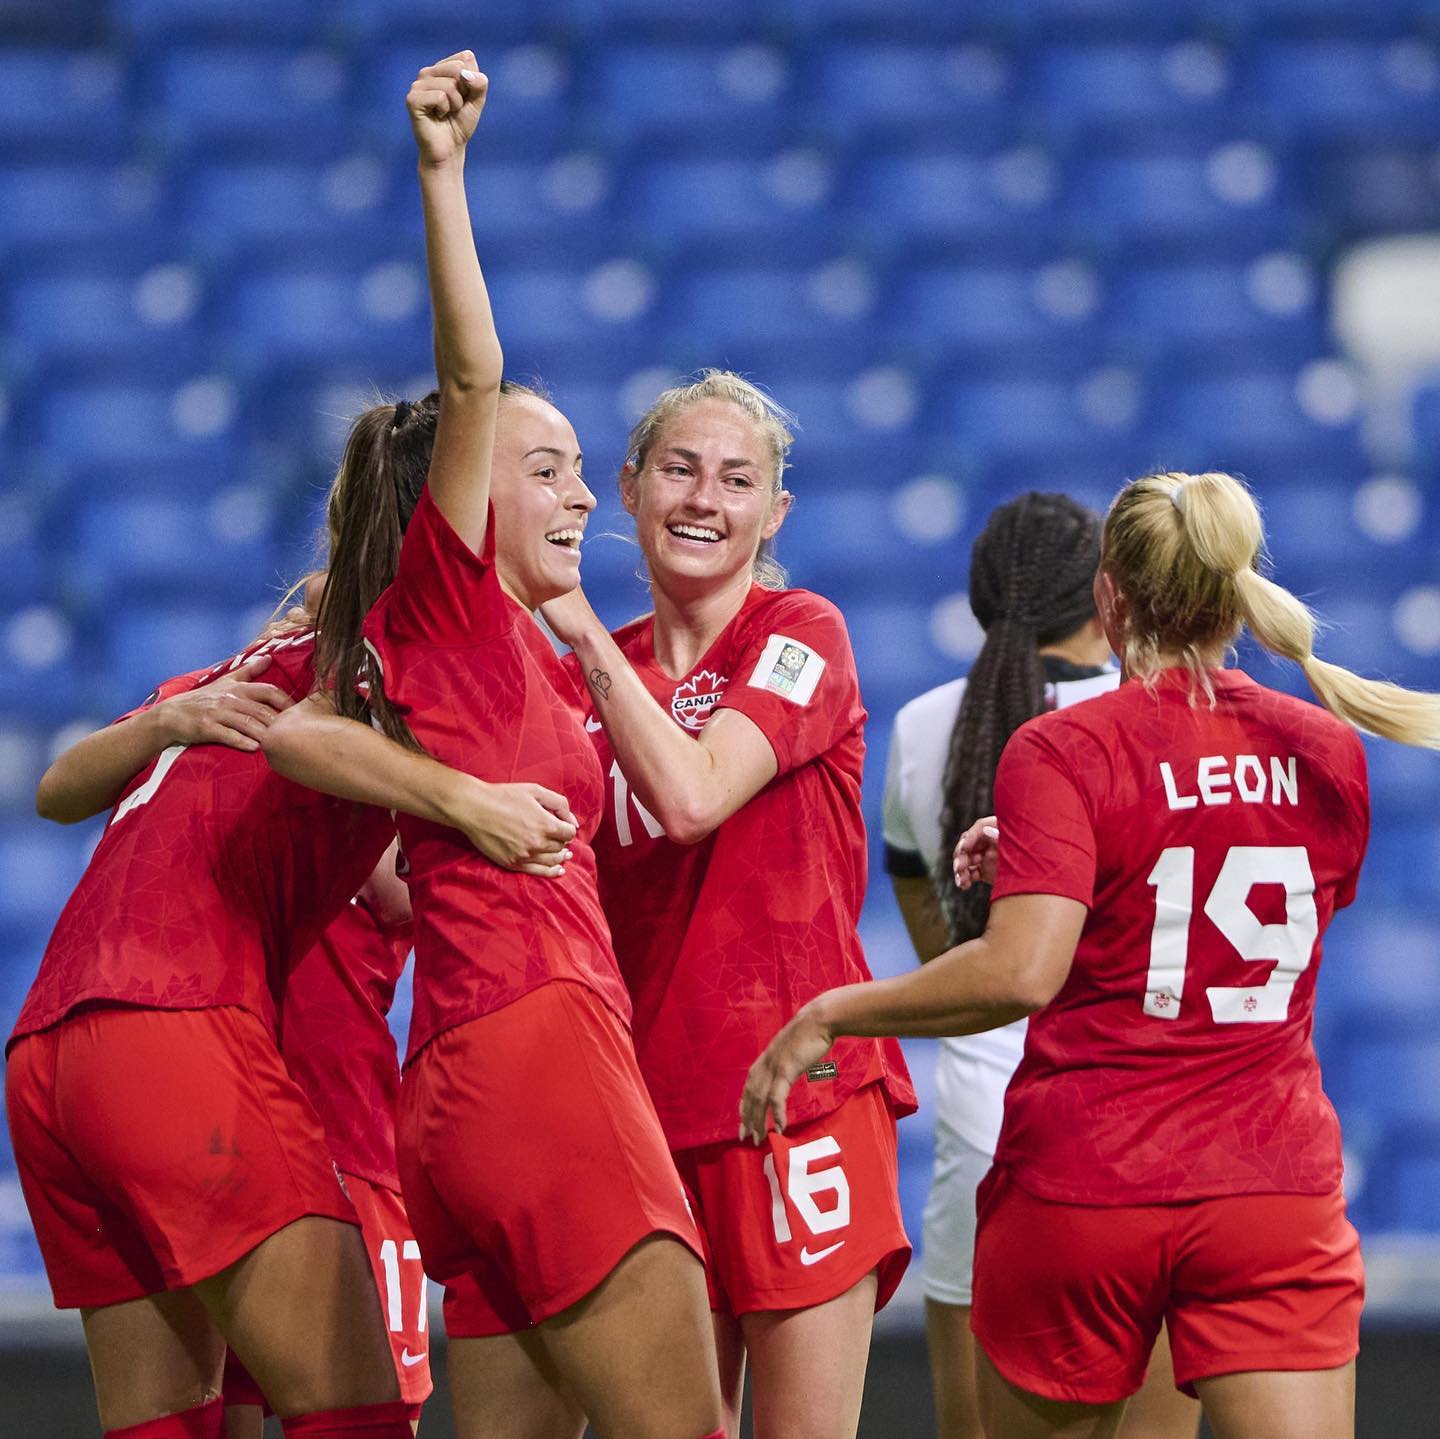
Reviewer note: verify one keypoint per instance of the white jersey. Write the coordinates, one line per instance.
(973, 1070)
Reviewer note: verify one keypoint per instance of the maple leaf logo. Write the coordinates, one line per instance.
(693, 701)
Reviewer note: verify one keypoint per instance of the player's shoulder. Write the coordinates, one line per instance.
(935, 709)
(1081, 730)
(634, 634)
(1309, 725)
(769, 609)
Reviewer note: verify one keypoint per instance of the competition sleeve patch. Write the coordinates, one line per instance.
(788, 668)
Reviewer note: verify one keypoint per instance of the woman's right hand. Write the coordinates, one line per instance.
(445, 104)
(977, 852)
(524, 827)
(233, 710)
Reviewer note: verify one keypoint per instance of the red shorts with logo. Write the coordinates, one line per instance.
(532, 1160)
(1069, 1298)
(395, 1258)
(804, 1217)
(156, 1147)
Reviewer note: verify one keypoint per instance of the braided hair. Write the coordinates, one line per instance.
(1032, 572)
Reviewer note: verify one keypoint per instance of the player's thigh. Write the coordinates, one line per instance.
(638, 1352)
(1283, 1404)
(952, 1370)
(807, 1366)
(302, 1313)
(153, 1356)
(507, 1385)
(1159, 1410)
(1009, 1412)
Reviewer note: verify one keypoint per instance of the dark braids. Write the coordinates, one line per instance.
(1031, 576)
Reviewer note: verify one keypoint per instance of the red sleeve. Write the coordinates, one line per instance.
(1047, 840)
(795, 678)
(179, 685)
(443, 594)
(1345, 893)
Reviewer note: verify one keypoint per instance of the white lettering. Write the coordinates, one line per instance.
(1173, 797)
(1218, 777)
(1248, 768)
(1213, 778)
(1284, 781)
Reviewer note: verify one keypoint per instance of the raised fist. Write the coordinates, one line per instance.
(445, 104)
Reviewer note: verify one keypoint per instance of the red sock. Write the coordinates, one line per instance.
(718, 1434)
(201, 1423)
(368, 1421)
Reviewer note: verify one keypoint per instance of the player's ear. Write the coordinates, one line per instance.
(779, 508)
(630, 487)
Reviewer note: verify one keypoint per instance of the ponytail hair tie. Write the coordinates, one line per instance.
(402, 413)
(1175, 499)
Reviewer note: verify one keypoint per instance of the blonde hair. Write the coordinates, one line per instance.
(772, 419)
(1185, 550)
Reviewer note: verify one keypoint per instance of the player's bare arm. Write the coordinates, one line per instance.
(444, 105)
(523, 827)
(87, 779)
(919, 907)
(1016, 967)
(690, 785)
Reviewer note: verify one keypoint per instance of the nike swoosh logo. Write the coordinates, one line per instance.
(807, 1258)
(409, 1360)
(592, 725)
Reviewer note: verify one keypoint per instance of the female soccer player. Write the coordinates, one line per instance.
(1032, 575)
(732, 861)
(534, 1169)
(179, 1183)
(1170, 855)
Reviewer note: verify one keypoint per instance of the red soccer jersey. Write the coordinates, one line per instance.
(483, 690)
(721, 942)
(336, 1043)
(213, 875)
(1211, 845)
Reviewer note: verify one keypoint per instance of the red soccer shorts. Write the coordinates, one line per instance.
(1069, 1297)
(532, 1160)
(395, 1258)
(804, 1217)
(156, 1147)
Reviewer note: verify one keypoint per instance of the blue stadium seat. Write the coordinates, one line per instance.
(1425, 419)
(1412, 1180)
(665, 201)
(1024, 414)
(146, 643)
(1357, 87)
(292, 100)
(149, 21)
(25, 558)
(757, 305)
(62, 102)
(1254, 412)
(1142, 201)
(985, 306)
(42, 863)
(735, 91)
(1162, 308)
(1082, 85)
(1390, 1071)
(176, 543)
(881, 87)
(39, 202)
(1004, 203)
(226, 203)
(1363, 188)
(118, 420)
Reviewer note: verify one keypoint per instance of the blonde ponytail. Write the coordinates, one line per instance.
(1183, 549)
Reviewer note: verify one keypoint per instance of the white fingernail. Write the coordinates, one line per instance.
(469, 75)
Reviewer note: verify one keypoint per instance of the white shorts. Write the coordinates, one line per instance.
(948, 1251)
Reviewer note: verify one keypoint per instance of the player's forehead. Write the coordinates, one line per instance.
(714, 429)
(527, 424)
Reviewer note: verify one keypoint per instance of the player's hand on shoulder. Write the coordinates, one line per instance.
(445, 102)
(977, 852)
(523, 827)
(233, 710)
(804, 1041)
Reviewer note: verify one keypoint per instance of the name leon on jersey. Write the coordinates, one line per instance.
(1218, 779)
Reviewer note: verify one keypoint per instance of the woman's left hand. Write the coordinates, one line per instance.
(803, 1042)
(569, 615)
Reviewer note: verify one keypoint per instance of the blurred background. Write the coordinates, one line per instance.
(978, 247)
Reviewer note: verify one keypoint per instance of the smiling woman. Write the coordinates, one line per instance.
(732, 860)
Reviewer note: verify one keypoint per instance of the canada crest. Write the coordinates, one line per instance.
(695, 699)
